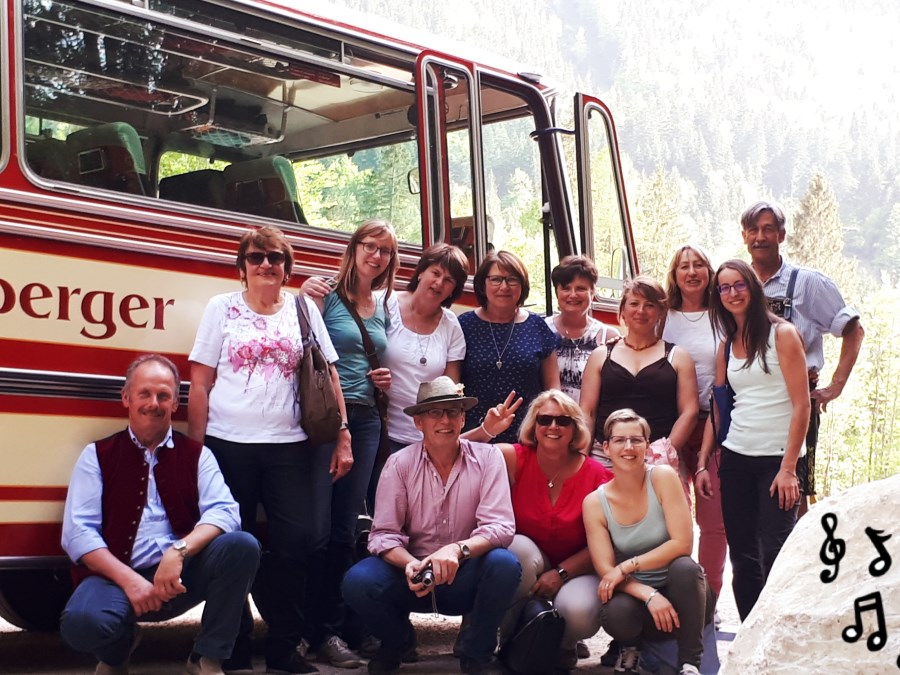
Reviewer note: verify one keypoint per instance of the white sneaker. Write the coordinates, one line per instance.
(688, 669)
(629, 658)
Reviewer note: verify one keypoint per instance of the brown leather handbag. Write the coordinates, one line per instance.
(319, 414)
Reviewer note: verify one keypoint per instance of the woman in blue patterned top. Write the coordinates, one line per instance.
(507, 347)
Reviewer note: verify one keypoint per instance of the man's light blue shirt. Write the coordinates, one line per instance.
(83, 518)
(817, 308)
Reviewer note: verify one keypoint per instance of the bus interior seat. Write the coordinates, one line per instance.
(462, 235)
(49, 158)
(108, 156)
(264, 187)
(203, 188)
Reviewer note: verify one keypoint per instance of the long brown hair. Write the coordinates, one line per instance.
(758, 323)
(346, 276)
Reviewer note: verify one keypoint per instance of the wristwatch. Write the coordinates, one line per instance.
(561, 571)
(181, 547)
(464, 551)
(343, 426)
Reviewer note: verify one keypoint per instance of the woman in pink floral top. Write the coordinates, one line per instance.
(242, 405)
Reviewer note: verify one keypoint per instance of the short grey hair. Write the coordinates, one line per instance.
(158, 358)
(754, 211)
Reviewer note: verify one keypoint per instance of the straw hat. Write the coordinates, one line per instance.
(438, 394)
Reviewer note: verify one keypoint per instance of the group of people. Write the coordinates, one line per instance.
(503, 456)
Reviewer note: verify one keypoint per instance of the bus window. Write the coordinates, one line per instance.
(290, 124)
(512, 173)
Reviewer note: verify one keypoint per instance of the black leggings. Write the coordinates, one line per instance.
(627, 619)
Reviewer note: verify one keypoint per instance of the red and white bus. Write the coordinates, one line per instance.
(140, 139)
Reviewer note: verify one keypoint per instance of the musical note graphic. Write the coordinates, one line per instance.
(833, 548)
(853, 632)
(882, 563)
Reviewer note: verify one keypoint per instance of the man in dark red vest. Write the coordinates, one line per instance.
(154, 531)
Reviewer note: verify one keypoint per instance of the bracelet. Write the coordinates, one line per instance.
(637, 567)
(488, 433)
(700, 470)
(649, 598)
(624, 573)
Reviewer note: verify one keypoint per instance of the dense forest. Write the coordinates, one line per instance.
(720, 104)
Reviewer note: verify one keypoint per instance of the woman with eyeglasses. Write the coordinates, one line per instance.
(550, 474)
(688, 289)
(640, 538)
(362, 286)
(643, 372)
(575, 282)
(766, 367)
(507, 347)
(242, 405)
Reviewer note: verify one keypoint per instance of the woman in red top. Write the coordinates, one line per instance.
(551, 474)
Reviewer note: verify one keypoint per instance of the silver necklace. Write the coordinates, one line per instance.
(422, 351)
(500, 354)
(686, 318)
(555, 476)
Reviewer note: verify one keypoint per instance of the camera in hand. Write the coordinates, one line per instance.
(425, 577)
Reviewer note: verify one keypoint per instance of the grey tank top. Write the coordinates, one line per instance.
(644, 535)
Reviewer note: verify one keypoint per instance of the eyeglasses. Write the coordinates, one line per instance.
(737, 287)
(636, 441)
(561, 420)
(256, 258)
(496, 280)
(371, 248)
(438, 413)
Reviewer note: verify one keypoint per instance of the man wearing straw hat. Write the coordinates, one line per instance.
(443, 520)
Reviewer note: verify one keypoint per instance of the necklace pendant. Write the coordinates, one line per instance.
(423, 360)
(550, 484)
(499, 365)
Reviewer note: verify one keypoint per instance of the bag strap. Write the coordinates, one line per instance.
(368, 345)
(789, 300)
(303, 319)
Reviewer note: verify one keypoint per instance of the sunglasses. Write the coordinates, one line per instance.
(438, 413)
(256, 258)
(737, 287)
(561, 420)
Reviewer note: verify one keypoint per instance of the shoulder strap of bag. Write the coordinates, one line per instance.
(303, 319)
(368, 345)
(789, 299)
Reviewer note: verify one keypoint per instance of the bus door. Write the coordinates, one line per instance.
(483, 178)
(603, 211)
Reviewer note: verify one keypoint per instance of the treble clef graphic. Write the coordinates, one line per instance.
(882, 563)
(833, 548)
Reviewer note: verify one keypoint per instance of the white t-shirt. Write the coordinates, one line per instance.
(255, 356)
(693, 332)
(405, 351)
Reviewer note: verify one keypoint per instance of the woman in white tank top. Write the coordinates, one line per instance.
(766, 368)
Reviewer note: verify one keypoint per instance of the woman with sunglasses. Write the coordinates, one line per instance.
(766, 367)
(640, 538)
(364, 282)
(550, 475)
(242, 405)
(507, 347)
(688, 289)
(643, 372)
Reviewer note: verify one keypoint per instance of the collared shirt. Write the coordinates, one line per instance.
(818, 308)
(83, 516)
(415, 510)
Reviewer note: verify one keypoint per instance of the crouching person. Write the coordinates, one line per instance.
(443, 506)
(154, 531)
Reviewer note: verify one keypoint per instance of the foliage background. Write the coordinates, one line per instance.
(720, 104)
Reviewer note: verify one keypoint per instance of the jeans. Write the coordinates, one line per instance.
(99, 619)
(324, 605)
(755, 526)
(292, 483)
(484, 588)
(628, 620)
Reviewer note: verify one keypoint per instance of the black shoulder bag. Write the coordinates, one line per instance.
(722, 397)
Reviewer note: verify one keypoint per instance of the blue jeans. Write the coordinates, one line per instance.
(99, 619)
(484, 588)
(292, 483)
(324, 606)
(755, 527)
